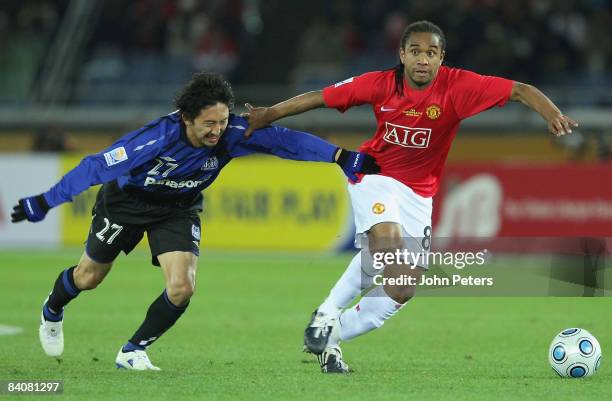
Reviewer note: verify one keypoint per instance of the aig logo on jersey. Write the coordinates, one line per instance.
(407, 137)
(212, 163)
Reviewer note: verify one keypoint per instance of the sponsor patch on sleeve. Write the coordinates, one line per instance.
(115, 156)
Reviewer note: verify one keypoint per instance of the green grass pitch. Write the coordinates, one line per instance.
(241, 337)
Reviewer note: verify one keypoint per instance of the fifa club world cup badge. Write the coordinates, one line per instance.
(378, 208)
(433, 111)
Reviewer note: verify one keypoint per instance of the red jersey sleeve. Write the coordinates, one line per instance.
(473, 93)
(355, 91)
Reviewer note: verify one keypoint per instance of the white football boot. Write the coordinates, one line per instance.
(322, 332)
(51, 336)
(134, 360)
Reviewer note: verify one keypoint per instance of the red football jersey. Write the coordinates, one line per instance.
(414, 132)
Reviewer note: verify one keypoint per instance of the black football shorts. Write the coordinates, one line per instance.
(120, 221)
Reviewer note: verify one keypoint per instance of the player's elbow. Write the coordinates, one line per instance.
(520, 91)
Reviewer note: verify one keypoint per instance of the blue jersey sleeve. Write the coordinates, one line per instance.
(284, 143)
(129, 152)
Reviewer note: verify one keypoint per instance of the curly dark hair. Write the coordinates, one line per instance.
(204, 90)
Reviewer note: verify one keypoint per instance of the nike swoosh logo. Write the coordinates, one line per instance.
(29, 206)
(237, 126)
(382, 108)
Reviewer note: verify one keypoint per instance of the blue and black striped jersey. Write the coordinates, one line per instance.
(159, 161)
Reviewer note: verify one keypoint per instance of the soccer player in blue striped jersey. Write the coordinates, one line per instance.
(152, 181)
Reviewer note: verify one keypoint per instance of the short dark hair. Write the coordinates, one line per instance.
(418, 26)
(204, 90)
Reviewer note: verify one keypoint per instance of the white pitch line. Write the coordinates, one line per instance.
(9, 330)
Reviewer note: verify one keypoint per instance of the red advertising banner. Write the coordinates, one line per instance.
(506, 200)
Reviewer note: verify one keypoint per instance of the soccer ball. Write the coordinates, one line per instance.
(574, 353)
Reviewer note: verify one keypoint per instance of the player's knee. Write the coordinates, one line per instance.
(385, 237)
(401, 281)
(180, 293)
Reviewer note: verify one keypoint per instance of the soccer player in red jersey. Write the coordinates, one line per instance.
(418, 105)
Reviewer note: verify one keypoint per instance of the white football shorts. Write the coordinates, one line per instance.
(380, 199)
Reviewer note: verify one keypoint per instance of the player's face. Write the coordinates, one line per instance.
(422, 57)
(206, 129)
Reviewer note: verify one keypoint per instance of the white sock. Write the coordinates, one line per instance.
(369, 314)
(348, 287)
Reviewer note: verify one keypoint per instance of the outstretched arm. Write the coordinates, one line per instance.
(127, 153)
(296, 145)
(558, 123)
(92, 170)
(260, 117)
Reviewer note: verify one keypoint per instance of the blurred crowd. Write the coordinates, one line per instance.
(303, 43)
(208, 35)
(26, 30)
(543, 41)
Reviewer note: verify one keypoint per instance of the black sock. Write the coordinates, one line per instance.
(63, 292)
(162, 314)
